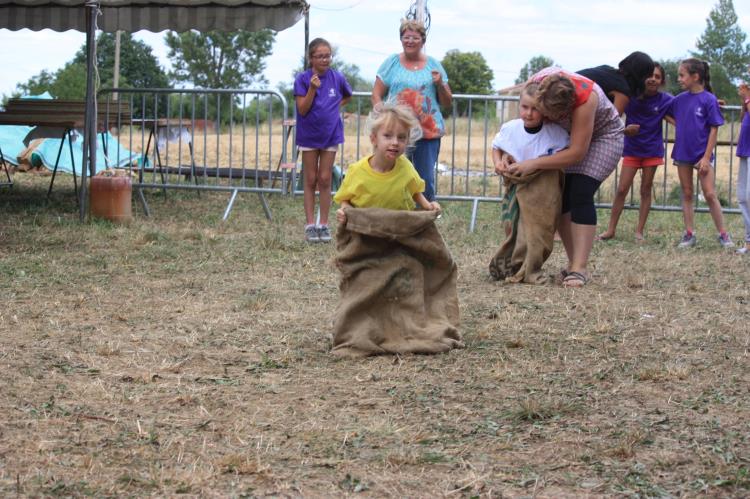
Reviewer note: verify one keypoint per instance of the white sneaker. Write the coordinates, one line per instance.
(725, 241)
(311, 234)
(743, 250)
(687, 241)
(324, 234)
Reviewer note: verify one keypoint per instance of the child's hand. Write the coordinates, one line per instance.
(341, 216)
(504, 165)
(435, 206)
(632, 130)
(703, 167)
(315, 81)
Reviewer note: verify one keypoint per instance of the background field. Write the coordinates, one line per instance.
(183, 355)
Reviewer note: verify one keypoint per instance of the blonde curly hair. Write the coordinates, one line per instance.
(385, 114)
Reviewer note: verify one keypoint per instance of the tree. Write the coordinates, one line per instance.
(468, 73)
(68, 82)
(723, 42)
(535, 64)
(139, 68)
(219, 60)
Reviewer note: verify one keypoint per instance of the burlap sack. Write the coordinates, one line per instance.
(398, 285)
(532, 207)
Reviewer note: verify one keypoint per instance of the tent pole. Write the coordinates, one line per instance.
(90, 119)
(307, 36)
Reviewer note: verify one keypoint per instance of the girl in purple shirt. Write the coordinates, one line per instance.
(319, 93)
(743, 179)
(644, 150)
(697, 119)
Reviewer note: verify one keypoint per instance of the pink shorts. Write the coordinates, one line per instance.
(636, 162)
(332, 148)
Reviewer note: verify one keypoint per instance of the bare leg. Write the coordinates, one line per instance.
(712, 200)
(627, 175)
(582, 237)
(686, 182)
(325, 171)
(647, 182)
(310, 177)
(563, 228)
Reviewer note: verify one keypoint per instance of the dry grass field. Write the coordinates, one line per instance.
(182, 355)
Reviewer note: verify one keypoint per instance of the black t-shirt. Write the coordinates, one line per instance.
(609, 79)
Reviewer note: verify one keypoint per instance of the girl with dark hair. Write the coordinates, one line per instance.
(319, 94)
(644, 150)
(626, 82)
(697, 119)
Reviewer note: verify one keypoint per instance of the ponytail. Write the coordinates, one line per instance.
(696, 66)
(707, 77)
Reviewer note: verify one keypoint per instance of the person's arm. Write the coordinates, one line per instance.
(345, 101)
(444, 94)
(621, 101)
(305, 102)
(502, 160)
(378, 91)
(705, 162)
(424, 204)
(581, 130)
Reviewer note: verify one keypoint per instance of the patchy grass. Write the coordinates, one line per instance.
(183, 355)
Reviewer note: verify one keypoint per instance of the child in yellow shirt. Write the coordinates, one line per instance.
(385, 179)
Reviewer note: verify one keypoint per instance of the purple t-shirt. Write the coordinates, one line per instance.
(647, 112)
(743, 143)
(322, 127)
(694, 115)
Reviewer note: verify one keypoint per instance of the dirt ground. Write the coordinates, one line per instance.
(184, 355)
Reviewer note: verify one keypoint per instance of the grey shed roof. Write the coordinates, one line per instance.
(151, 15)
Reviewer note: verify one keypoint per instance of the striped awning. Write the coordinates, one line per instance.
(151, 15)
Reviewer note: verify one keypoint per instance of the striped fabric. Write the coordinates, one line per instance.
(134, 15)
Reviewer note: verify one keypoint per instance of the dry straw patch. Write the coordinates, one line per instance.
(182, 355)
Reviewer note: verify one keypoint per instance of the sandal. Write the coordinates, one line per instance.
(602, 237)
(575, 280)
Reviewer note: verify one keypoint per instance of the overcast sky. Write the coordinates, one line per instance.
(507, 33)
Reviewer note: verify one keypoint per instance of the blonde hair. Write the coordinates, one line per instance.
(531, 88)
(386, 114)
(411, 25)
(556, 96)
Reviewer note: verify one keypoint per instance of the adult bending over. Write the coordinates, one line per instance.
(419, 82)
(596, 140)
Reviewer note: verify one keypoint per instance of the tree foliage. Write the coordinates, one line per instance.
(139, 68)
(217, 59)
(468, 73)
(534, 65)
(723, 42)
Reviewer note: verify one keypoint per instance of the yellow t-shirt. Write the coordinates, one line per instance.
(363, 187)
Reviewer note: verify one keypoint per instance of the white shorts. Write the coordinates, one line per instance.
(332, 148)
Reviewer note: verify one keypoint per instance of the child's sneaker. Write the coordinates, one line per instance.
(311, 234)
(324, 234)
(725, 240)
(743, 250)
(688, 240)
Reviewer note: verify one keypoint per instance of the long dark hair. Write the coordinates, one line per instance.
(696, 66)
(637, 68)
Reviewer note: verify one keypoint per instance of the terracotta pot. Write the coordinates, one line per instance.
(111, 198)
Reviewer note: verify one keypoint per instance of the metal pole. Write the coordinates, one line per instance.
(89, 127)
(307, 36)
(116, 77)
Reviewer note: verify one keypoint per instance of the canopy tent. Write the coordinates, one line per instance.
(135, 15)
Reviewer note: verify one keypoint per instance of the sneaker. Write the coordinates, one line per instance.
(311, 234)
(324, 234)
(725, 241)
(743, 250)
(688, 241)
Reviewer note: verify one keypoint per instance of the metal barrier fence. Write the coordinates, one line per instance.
(465, 171)
(202, 140)
(237, 141)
